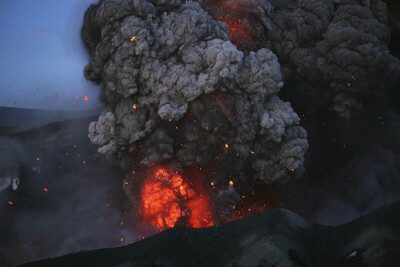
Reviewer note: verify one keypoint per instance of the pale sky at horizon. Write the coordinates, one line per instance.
(44, 70)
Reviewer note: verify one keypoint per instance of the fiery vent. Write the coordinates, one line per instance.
(168, 201)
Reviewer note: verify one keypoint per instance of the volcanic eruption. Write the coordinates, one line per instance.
(180, 95)
(193, 113)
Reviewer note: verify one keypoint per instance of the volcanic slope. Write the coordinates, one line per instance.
(271, 238)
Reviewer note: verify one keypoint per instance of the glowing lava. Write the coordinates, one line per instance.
(240, 18)
(167, 201)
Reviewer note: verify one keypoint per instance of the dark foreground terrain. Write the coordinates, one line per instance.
(271, 238)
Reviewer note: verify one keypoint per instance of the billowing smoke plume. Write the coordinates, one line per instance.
(337, 48)
(178, 91)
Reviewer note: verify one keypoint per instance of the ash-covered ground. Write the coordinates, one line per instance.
(242, 106)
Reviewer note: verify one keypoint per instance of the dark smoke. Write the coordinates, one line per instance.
(338, 49)
(180, 93)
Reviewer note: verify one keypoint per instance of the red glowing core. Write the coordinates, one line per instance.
(238, 16)
(168, 201)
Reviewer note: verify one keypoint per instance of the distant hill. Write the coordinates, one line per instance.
(19, 119)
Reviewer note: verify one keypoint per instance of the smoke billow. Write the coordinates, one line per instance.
(180, 93)
(194, 85)
(339, 49)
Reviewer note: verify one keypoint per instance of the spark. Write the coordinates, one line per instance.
(45, 189)
(133, 38)
(226, 145)
(86, 98)
(38, 159)
(11, 203)
(134, 106)
(230, 182)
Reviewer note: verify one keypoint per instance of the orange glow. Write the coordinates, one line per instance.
(236, 14)
(37, 158)
(133, 38)
(86, 98)
(226, 145)
(45, 189)
(167, 200)
(230, 182)
(134, 106)
(9, 202)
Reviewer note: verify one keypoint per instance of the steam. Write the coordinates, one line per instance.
(11, 158)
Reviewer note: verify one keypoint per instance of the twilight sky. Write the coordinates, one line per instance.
(42, 56)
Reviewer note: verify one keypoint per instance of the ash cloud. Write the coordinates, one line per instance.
(338, 49)
(180, 68)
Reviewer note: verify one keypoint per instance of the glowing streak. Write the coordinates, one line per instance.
(133, 38)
